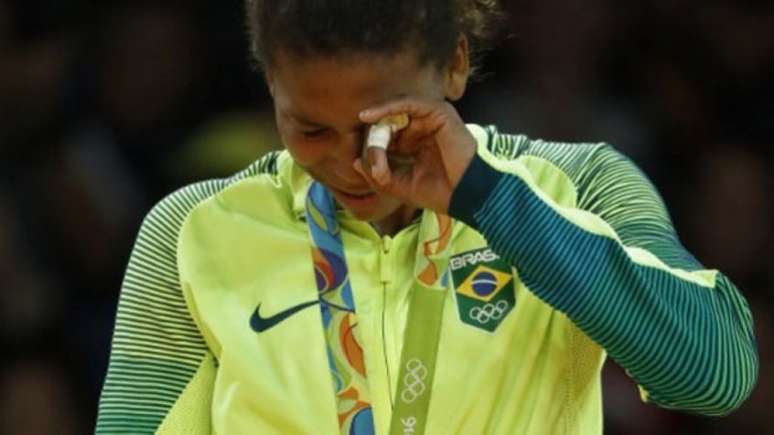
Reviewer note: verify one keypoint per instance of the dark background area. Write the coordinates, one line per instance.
(105, 109)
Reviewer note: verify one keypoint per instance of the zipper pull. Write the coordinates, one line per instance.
(386, 244)
(385, 265)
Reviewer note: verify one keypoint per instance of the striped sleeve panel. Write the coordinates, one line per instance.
(157, 348)
(614, 265)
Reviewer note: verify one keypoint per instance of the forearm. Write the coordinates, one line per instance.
(685, 337)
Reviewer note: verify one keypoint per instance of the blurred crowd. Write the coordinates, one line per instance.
(106, 108)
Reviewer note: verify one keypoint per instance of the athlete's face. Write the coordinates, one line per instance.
(317, 101)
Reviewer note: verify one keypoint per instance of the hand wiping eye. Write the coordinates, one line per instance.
(375, 157)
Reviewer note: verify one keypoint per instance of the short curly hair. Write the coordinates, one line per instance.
(336, 27)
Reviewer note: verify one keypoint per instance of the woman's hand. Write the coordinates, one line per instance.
(439, 144)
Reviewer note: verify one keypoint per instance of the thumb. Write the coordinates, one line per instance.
(377, 166)
(390, 185)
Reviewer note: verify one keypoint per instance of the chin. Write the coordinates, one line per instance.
(363, 215)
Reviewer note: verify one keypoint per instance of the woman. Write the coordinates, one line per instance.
(463, 281)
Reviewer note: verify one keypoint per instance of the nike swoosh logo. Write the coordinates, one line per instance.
(260, 323)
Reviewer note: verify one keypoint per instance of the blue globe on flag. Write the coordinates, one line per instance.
(484, 283)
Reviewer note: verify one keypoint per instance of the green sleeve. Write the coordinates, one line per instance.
(160, 374)
(592, 238)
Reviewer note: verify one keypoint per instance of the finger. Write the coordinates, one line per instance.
(362, 168)
(380, 170)
(395, 187)
(410, 140)
(411, 106)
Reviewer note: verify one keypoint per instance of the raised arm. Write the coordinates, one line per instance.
(591, 237)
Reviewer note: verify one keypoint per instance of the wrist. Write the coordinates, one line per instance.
(464, 157)
(473, 189)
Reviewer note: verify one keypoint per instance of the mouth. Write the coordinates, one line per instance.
(354, 199)
(355, 194)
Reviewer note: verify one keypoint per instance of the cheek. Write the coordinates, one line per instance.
(330, 152)
(305, 154)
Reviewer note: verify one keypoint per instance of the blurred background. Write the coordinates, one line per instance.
(105, 109)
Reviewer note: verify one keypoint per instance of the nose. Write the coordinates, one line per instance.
(351, 145)
(349, 148)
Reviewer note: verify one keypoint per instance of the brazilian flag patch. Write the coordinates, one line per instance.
(484, 288)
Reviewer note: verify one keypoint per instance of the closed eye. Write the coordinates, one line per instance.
(311, 134)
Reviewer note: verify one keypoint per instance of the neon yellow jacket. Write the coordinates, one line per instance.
(576, 241)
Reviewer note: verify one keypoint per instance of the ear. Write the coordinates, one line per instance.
(458, 70)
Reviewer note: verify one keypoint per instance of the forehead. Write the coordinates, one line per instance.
(347, 83)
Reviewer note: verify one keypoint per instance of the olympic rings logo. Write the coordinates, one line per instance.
(413, 381)
(489, 312)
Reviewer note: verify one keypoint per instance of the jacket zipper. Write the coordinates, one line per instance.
(386, 245)
(384, 346)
